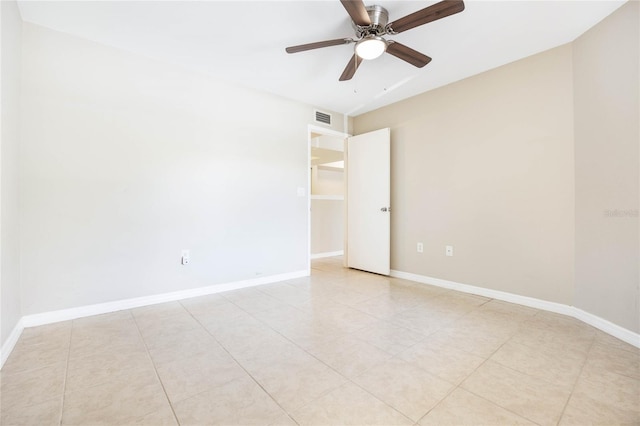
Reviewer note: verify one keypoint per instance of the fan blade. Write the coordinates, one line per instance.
(407, 54)
(318, 45)
(357, 11)
(428, 14)
(351, 68)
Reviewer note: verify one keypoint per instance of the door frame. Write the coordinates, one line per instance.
(326, 132)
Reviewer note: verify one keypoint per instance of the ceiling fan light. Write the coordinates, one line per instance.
(371, 47)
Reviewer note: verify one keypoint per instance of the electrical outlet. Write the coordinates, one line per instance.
(420, 248)
(185, 257)
(449, 251)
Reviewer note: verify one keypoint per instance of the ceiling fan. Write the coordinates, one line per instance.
(372, 22)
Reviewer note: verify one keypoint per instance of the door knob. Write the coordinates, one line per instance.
(384, 209)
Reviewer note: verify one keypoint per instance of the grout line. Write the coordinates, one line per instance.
(155, 369)
(487, 358)
(483, 363)
(347, 379)
(512, 369)
(238, 362)
(575, 382)
(425, 338)
(66, 374)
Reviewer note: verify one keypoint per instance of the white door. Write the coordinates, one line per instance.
(368, 201)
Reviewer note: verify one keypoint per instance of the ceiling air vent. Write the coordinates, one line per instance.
(323, 117)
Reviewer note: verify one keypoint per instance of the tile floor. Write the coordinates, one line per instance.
(339, 347)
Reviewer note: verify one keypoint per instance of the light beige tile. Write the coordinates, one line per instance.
(385, 307)
(345, 319)
(423, 320)
(506, 311)
(451, 305)
(243, 340)
(561, 326)
(351, 297)
(405, 387)
(110, 363)
(161, 417)
(114, 402)
(286, 292)
(88, 337)
(311, 334)
(203, 303)
(370, 285)
(349, 405)
(281, 318)
(222, 327)
(39, 347)
(464, 301)
(615, 360)
(42, 414)
(239, 402)
(283, 420)
(271, 352)
(103, 320)
(404, 289)
(52, 334)
(388, 337)
(159, 333)
(221, 312)
(530, 397)
(258, 302)
(489, 321)
(241, 294)
(26, 357)
(296, 382)
(610, 341)
(287, 357)
(559, 366)
(31, 387)
(185, 345)
(320, 299)
(446, 362)
(464, 408)
(473, 337)
(536, 337)
(603, 398)
(189, 376)
(157, 312)
(350, 356)
(221, 316)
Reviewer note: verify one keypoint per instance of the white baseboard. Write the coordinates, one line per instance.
(103, 308)
(11, 341)
(83, 311)
(327, 254)
(608, 327)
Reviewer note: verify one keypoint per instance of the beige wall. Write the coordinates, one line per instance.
(10, 311)
(486, 165)
(606, 80)
(531, 172)
(126, 161)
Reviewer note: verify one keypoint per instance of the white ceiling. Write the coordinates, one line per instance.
(244, 41)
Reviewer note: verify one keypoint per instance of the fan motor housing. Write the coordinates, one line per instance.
(379, 19)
